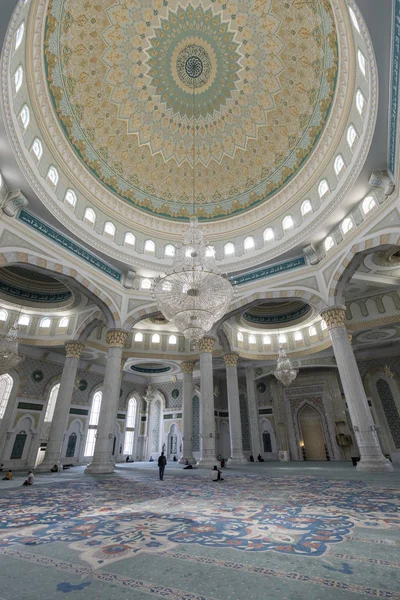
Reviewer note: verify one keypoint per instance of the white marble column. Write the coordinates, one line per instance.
(59, 423)
(235, 424)
(207, 418)
(253, 413)
(364, 429)
(187, 368)
(102, 457)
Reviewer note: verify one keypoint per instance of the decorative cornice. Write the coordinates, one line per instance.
(73, 349)
(116, 338)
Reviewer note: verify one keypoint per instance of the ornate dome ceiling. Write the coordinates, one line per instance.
(126, 80)
(30, 288)
(270, 315)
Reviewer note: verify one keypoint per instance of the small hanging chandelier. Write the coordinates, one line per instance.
(193, 294)
(285, 373)
(9, 357)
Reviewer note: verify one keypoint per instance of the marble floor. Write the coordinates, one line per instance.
(271, 530)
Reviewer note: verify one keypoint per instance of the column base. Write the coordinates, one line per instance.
(207, 463)
(374, 466)
(190, 459)
(45, 467)
(100, 468)
(238, 460)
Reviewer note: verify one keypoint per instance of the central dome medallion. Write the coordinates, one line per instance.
(129, 80)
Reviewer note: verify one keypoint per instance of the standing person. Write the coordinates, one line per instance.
(162, 461)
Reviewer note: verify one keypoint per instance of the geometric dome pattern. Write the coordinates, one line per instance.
(254, 81)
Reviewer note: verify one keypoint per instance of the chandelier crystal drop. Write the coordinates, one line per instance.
(285, 373)
(9, 357)
(193, 294)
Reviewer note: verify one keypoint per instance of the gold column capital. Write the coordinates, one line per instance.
(116, 338)
(187, 366)
(73, 349)
(206, 344)
(231, 359)
(334, 316)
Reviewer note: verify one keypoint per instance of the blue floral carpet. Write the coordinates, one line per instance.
(189, 538)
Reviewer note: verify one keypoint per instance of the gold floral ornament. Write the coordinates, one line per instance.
(73, 349)
(187, 367)
(116, 338)
(206, 344)
(334, 317)
(231, 359)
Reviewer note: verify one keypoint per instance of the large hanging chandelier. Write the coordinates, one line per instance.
(193, 294)
(9, 357)
(285, 373)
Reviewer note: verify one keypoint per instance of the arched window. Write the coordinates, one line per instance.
(323, 325)
(139, 336)
(362, 63)
(266, 340)
(298, 336)
(269, 234)
(306, 207)
(360, 102)
(90, 215)
(282, 338)
(323, 188)
(229, 249)
(25, 116)
(130, 426)
(18, 77)
(169, 250)
(70, 197)
(347, 225)
(287, 223)
(351, 135)
(3, 315)
(52, 175)
(64, 322)
(368, 204)
(354, 19)
(129, 239)
(149, 246)
(312, 331)
(155, 338)
(172, 339)
(109, 229)
(252, 340)
(37, 148)
(249, 243)
(45, 323)
(19, 36)
(239, 336)
(329, 243)
(93, 422)
(6, 383)
(51, 404)
(24, 320)
(145, 284)
(339, 164)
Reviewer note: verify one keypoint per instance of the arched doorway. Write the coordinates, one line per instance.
(225, 442)
(312, 433)
(172, 442)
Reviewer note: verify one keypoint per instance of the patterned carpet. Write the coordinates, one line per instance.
(253, 536)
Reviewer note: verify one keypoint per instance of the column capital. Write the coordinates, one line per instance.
(116, 338)
(206, 344)
(231, 359)
(187, 366)
(334, 316)
(73, 349)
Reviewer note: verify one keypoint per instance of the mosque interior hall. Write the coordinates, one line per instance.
(199, 299)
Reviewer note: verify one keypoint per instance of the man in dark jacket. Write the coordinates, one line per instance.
(162, 461)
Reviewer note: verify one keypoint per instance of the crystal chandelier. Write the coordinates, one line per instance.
(193, 294)
(284, 372)
(9, 357)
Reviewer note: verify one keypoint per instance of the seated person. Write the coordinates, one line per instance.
(216, 474)
(129, 458)
(30, 479)
(1, 467)
(260, 458)
(251, 458)
(151, 459)
(175, 459)
(54, 469)
(188, 465)
(9, 475)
